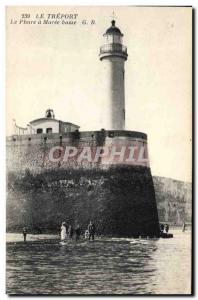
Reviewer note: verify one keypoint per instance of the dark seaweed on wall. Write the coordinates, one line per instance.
(120, 200)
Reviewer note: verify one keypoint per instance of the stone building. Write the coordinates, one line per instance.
(46, 125)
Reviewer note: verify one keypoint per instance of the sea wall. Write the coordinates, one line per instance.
(121, 200)
(33, 151)
(119, 197)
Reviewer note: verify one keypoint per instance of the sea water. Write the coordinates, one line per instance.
(106, 266)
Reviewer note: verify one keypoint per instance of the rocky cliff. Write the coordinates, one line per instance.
(174, 200)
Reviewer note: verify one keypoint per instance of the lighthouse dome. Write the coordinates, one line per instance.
(113, 29)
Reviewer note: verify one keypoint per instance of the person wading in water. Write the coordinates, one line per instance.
(24, 234)
(70, 232)
(63, 232)
(91, 229)
(77, 232)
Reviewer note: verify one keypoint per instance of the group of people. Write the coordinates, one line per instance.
(67, 232)
(164, 228)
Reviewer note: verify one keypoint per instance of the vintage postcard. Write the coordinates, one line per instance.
(99, 150)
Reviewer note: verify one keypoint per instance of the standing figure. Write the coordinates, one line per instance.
(161, 228)
(24, 234)
(184, 227)
(70, 232)
(63, 232)
(77, 232)
(91, 229)
(86, 234)
(166, 228)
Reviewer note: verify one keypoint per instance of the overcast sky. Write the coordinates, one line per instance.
(58, 67)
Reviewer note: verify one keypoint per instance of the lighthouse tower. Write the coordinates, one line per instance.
(113, 56)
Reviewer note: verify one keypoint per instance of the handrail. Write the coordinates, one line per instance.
(113, 48)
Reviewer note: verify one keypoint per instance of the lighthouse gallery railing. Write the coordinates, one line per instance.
(113, 48)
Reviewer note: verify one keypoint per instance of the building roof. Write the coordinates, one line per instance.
(50, 119)
(113, 29)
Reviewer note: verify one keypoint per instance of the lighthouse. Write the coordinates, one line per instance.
(113, 163)
(113, 55)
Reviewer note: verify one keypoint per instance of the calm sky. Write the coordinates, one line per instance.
(57, 66)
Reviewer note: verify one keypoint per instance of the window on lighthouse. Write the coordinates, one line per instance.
(117, 39)
(109, 39)
(113, 39)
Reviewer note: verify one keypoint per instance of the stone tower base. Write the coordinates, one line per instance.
(120, 201)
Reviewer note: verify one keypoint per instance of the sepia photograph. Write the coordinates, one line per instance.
(99, 150)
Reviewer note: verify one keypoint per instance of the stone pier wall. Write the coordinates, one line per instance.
(41, 194)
